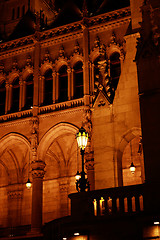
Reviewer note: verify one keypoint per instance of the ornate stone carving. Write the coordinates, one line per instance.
(15, 194)
(34, 136)
(38, 169)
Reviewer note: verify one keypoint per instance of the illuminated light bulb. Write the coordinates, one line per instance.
(28, 184)
(76, 234)
(132, 168)
(78, 176)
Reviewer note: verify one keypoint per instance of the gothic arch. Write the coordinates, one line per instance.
(53, 133)
(45, 67)
(59, 63)
(26, 72)
(74, 59)
(125, 139)
(12, 149)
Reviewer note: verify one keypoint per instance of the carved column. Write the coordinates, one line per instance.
(22, 96)
(86, 63)
(54, 86)
(89, 157)
(37, 195)
(40, 101)
(42, 89)
(63, 187)
(57, 87)
(92, 77)
(7, 97)
(72, 83)
(10, 97)
(89, 153)
(14, 206)
(37, 180)
(69, 83)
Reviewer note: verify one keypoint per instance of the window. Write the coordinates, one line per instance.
(15, 96)
(78, 80)
(29, 92)
(2, 98)
(13, 14)
(48, 87)
(23, 10)
(63, 84)
(18, 11)
(115, 69)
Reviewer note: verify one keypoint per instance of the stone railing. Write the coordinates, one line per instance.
(112, 201)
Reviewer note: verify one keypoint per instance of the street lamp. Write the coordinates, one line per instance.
(82, 183)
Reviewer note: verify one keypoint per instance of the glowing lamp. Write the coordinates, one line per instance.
(28, 184)
(78, 176)
(132, 168)
(82, 138)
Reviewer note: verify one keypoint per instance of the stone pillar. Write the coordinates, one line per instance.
(92, 78)
(14, 206)
(89, 163)
(10, 97)
(57, 87)
(72, 84)
(22, 96)
(69, 83)
(54, 86)
(36, 72)
(37, 196)
(63, 187)
(41, 92)
(7, 97)
(86, 64)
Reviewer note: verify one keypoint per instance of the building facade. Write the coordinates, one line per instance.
(63, 66)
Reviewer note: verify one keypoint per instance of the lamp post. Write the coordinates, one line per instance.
(82, 183)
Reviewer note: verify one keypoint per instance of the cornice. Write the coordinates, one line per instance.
(63, 33)
(64, 112)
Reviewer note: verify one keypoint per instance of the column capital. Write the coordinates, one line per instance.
(38, 173)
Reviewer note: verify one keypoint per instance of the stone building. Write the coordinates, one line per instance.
(63, 65)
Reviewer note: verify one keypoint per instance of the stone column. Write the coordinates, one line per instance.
(92, 78)
(7, 97)
(57, 87)
(63, 187)
(89, 163)
(72, 83)
(22, 96)
(37, 196)
(69, 83)
(86, 65)
(54, 86)
(10, 97)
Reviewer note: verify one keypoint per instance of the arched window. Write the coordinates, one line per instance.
(29, 92)
(18, 12)
(115, 69)
(63, 84)
(133, 153)
(78, 80)
(48, 87)
(13, 14)
(23, 10)
(2, 98)
(15, 96)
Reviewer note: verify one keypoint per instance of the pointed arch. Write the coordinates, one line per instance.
(125, 140)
